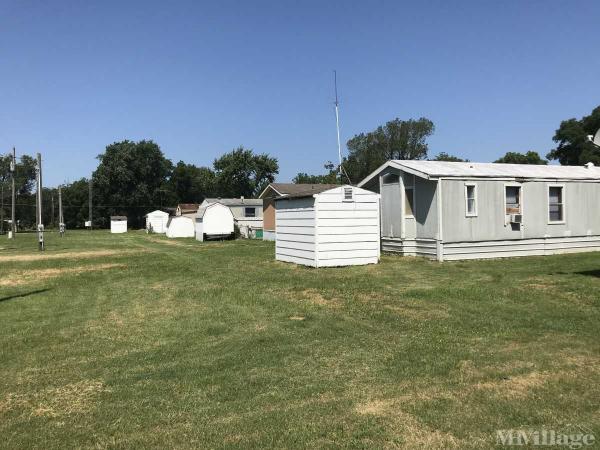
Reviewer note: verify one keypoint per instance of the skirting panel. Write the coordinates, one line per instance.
(454, 251)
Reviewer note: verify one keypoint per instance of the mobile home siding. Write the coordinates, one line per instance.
(582, 214)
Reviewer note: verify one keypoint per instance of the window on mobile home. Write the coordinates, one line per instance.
(513, 199)
(471, 199)
(556, 211)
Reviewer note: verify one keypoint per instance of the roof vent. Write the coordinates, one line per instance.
(589, 165)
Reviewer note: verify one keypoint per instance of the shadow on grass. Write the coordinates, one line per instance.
(25, 294)
(590, 273)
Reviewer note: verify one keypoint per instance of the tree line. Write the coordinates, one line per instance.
(407, 139)
(132, 179)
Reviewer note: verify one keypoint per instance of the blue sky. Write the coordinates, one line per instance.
(203, 78)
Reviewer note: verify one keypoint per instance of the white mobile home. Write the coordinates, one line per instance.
(328, 227)
(463, 210)
(214, 221)
(118, 224)
(180, 227)
(156, 221)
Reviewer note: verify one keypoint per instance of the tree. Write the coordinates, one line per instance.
(397, 139)
(129, 180)
(75, 198)
(24, 187)
(530, 157)
(191, 184)
(329, 178)
(242, 173)
(443, 156)
(573, 146)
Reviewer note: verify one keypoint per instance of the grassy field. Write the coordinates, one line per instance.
(138, 341)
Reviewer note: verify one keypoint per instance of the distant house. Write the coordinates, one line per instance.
(462, 210)
(186, 208)
(327, 227)
(247, 212)
(156, 221)
(214, 221)
(118, 224)
(276, 190)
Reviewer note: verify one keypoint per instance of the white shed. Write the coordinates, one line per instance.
(325, 227)
(214, 220)
(180, 227)
(156, 221)
(118, 224)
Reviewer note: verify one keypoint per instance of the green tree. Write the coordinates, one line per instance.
(129, 180)
(75, 197)
(243, 173)
(530, 157)
(397, 139)
(329, 178)
(24, 187)
(573, 147)
(443, 156)
(192, 184)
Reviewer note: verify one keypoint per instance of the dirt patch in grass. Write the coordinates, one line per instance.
(297, 318)
(419, 311)
(404, 427)
(310, 296)
(32, 276)
(73, 398)
(66, 255)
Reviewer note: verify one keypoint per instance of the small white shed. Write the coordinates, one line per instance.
(118, 224)
(326, 227)
(156, 221)
(214, 221)
(180, 227)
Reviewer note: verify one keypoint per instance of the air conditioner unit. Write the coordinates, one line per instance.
(516, 218)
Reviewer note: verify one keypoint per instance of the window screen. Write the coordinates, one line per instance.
(249, 212)
(513, 199)
(555, 204)
(471, 200)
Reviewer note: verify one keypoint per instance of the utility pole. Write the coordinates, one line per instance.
(90, 204)
(13, 167)
(61, 220)
(52, 211)
(40, 225)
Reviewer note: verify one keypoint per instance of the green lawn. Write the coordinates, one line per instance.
(139, 341)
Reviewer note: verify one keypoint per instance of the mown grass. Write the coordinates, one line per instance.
(132, 340)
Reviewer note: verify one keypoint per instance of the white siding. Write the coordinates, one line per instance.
(327, 230)
(295, 227)
(347, 232)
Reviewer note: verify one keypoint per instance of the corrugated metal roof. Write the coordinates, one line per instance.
(437, 169)
(236, 201)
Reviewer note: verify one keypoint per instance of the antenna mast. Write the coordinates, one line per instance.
(337, 122)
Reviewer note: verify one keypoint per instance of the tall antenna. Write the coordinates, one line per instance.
(337, 122)
(13, 167)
